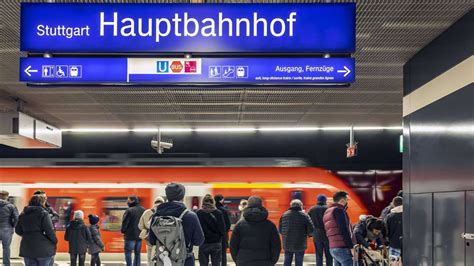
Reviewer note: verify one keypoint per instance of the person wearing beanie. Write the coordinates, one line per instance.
(213, 225)
(219, 199)
(144, 226)
(255, 240)
(78, 236)
(133, 242)
(320, 239)
(96, 245)
(193, 233)
(295, 227)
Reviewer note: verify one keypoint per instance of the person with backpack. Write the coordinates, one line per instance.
(225, 240)
(255, 240)
(175, 230)
(144, 226)
(213, 225)
(295, 227)
(96, 245)
(38, 238)
(394, 223)
(321, 242)
(129, 228)
(78, 236)
(8, 221)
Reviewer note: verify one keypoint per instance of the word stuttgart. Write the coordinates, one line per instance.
(179, 25)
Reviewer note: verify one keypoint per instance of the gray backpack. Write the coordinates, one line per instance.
(170, 242)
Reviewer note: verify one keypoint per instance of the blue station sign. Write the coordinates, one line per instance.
(189, 28)
(192, 71)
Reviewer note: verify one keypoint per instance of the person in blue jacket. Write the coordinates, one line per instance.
(193, 233)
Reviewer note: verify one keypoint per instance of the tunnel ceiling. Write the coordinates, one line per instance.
(388, 34)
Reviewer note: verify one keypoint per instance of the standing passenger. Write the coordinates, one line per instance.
(321, 242)
(96, 245)
(8, 221)
(242, 206)
(78, 237)
(175, 207)
(130, 229)
(339, 231)
(395, 231)
(38, 239)
(295, 227)
(144, 226)
(225, 240)
(255, 240)
(386, 210)
(213, 225)
(52, 213)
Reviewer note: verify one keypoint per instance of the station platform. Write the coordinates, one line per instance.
(115, 259)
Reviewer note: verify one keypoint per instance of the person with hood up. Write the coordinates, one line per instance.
(394, 223)
(175, 207)
(38, 239)
(144, 226)
(295, 228)
(213, 225)
(131, 232)
(225, 240)
(321, 242)
(96, 245)
(255, 240)
(78, 236)
(8, 221)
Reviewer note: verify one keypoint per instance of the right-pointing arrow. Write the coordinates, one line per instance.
(346, 71)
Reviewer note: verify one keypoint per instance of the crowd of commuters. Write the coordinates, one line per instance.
(170, 231)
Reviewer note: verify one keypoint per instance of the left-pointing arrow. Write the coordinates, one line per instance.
(28, 71)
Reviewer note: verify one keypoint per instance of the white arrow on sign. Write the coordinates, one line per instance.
(346, 71)
(28, 71)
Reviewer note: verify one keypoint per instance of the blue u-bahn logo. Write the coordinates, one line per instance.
(162, 66)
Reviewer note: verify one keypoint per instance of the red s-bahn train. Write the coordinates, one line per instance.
(104, 190)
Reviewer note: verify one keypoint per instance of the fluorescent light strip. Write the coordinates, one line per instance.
(226, 129)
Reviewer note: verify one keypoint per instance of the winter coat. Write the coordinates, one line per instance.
(386, 211)
(255, 240)
(213, 225)
(192, 228)
(8, 215)
(361, 232)
(316, 213)
(37, 232)
(144, 223)
(295, 227)
(395, 227)
(78, 236)
(226, 215)
(95, 243)
(130, 221)
(338, 227)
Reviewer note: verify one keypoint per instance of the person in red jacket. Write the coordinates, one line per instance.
(339, 231)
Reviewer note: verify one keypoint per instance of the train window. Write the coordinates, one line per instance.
(64, 207)
(232, 204)
(297, 194)
(114, 208)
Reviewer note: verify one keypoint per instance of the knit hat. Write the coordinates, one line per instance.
(93, 219)
(79, 215)
(255, 201)
(175, 192)
(322, 198)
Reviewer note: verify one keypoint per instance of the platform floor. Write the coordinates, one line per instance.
(62, 259)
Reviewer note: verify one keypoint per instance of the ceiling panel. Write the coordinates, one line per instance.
(388, 34)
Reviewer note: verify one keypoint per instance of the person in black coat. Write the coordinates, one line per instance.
(321, 241)
(394, 223)
(95, 243)
(78, 236)
(213, 226)
(369, 230)
(225, 240)
(255, 240)
(133, 242)
(38, 242)
(295, 227)
(8, 221)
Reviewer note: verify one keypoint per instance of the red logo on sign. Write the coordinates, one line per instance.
(190, 66)
(176, 67)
